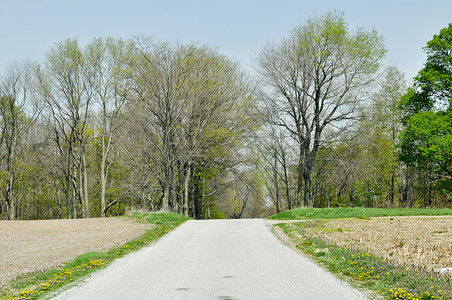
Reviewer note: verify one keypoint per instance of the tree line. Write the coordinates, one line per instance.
(344, 134)
(120, 124)
(116, 125)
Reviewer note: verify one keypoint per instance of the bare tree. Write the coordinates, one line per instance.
(161, 83)
(106, 62)
(18, 111)
(276, 152)
(66, 86)
(317, 77)
(216, 89)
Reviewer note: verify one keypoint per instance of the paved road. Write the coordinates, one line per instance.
(221, 259)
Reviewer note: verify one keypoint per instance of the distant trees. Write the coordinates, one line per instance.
(118, 125)
(278, 157)
(317, 77)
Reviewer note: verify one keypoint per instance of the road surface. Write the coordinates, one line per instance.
(215, 259)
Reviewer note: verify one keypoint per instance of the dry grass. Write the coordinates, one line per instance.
(423, 242)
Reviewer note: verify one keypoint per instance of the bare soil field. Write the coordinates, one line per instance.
(420, 241)
(29, 246)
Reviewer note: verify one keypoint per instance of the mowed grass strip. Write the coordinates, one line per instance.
(37, 285)
(369, 271)
(356, 212)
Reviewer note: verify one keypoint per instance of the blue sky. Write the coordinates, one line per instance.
(238, 29)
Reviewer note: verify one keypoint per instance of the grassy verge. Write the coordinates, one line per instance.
(34, 286)
(356, 212)
(369, 271)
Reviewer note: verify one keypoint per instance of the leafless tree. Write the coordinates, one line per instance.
(67, 88)
(317, 77)
(18, 111)
(106, 62)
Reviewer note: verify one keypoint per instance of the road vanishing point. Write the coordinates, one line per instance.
(214, 259)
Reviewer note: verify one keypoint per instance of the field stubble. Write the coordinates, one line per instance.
(422, 242)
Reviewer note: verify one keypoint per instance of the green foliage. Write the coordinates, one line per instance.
(435, 79)
(216, 214)
(356, 212)
(426, 142)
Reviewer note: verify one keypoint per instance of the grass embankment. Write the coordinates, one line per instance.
(366, 269)
(37, 285)
(356, 212)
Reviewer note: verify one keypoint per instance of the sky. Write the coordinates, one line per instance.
(236, 28)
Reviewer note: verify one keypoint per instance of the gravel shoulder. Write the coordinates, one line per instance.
(30, 246)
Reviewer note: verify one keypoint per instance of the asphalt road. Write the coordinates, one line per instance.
(218, 259)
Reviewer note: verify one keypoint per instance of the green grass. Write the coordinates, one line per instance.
(369, 271)
(330, 229)
(356, 212)
(36, 285)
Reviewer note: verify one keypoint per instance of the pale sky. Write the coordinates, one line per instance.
(236, 28)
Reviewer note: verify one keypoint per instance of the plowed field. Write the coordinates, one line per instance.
(28, 246)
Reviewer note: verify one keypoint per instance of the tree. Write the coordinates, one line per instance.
(16, 100)
(216, 97)
(67, 88)
(317, 77)
(426, 143)
(277, 159)
(107, 62)
(377, 137)
(161, 84)
(195, 102)
(427, 114)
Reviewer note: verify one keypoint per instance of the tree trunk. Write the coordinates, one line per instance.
(187, 188)
(300, 177)
(103, 187)
(85, 187)
(165, 206)
(299, 183)
(286, 183)
(197, 199)
(307, 171)
(81, 194)
(10, 197)
(68, 195)
(74, 195)
(275, 178)
(167, 190)
(103, 174)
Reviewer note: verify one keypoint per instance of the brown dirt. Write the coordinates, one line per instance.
(420, 241)
(28, 246)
